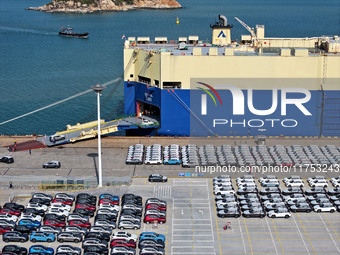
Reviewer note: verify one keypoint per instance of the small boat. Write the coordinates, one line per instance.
(69, 33)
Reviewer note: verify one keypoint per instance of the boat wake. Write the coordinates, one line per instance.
(26, 30)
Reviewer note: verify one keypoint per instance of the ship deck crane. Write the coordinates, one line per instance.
(251, 31)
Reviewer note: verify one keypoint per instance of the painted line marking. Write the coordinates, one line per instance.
(306, 233)
(241, 232)
(329, 233)
(271, 235)
(218, 235)
(245, 224)
(332, 228)
(303, 240)
(277, 234)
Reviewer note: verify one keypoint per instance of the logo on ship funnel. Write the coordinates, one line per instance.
(221, 34)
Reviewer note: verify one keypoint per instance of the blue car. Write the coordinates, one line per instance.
(30, 223)
(42, 249)
(109, 196)
(172, 161)
(41, 236)
(152, 235)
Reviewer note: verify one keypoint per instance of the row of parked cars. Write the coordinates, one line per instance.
(248, 201)
(49, 219)
(242, 155)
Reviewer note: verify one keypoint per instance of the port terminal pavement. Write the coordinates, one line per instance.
(79, 160)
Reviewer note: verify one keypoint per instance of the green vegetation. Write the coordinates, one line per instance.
(95, 2)
(120, 2)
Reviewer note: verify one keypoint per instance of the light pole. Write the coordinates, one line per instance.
(98, 88)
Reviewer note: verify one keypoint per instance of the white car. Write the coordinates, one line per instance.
(335, 182)
(109, 206)
(294, 183)
(107, 211)
(223, 192)
(37, 206)
(61, 206)
(279, 213)
(293, 196)
(124, 235)
(9, 217)
(122, 250)
(153, 161)
(318, 183)
(58, 211)
(228, 202)
(327, 207)
(30, 216)
(133, 207)
(155, 212)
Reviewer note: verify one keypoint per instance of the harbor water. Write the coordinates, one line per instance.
(38, 67)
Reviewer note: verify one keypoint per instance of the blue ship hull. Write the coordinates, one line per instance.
(180, 113)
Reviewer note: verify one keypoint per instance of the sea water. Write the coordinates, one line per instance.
(38, 67)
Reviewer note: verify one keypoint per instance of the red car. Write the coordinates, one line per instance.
(151, 218)
(155, 206)
(4, 229)
(123, 242)
(56, 223)
(106, 200)
(82, 224)
(86, 206)
(63, 201)
(11, 211)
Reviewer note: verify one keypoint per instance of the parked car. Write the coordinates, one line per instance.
(123, 242)
(69, 237)
(42, 237)
(64, 196)
(76, 229)
(63, 201)
(99, 235)
(82, 224)
(94, 242)
(50, 229)
(14, 236)
(41, 249)
(4, 229)
(15, 249)
(14, 206)
(124, 224)
(279, 213)
(11, 211)
(52, 164)
(152, 235)
(29, 222)
(124, 235)
(68, 249)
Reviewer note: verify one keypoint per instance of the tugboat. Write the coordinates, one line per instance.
(68, 32)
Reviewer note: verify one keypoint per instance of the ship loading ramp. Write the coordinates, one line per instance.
(88, 130)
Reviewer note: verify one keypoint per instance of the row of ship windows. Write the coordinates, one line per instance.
(166, 84)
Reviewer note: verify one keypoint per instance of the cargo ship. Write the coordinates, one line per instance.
(256, 86)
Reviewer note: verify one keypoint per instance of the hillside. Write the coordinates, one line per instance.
(90, 6)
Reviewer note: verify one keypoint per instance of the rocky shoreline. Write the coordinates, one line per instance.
(94, 6)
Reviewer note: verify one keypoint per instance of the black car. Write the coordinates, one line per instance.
(40, 201)
(97, 249)
(157, 178)
(85, 201)
(131, 212)
(53, 216)
(254, 213)
(96, 253)
(150, 242)
(7, 159)
(84, 212)
(132, 201)
(316, 190)
(105, 217)
(270, 190)
(243, 191)
(15, 206)
(14, 236)
(35, 211)
(98, 235)
(228, 213)
(26, 229)
(15, 249)
(85, 195)
(129, 196)
(69, 237)
(303, 207)
(293, 190)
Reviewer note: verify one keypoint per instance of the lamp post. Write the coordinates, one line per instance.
(99, 88)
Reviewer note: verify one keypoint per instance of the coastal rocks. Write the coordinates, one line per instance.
(90, 6)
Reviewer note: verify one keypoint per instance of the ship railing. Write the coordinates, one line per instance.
(119, 117)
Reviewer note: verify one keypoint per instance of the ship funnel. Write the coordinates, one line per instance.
(221, 31)
(223, 20)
